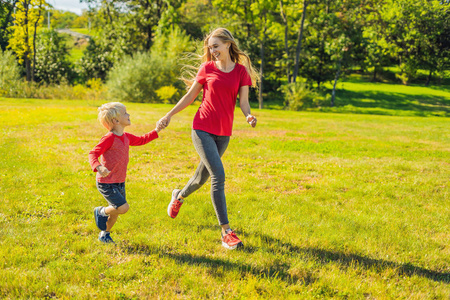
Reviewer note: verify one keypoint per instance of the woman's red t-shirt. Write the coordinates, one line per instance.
(215, 114)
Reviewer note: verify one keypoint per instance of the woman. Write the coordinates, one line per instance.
(226, 72)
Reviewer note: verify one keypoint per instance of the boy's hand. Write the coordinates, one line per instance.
(159, 126)
(163, 123)
(103, 171)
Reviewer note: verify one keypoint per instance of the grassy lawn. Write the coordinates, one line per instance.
(82, 30)
(359, 96)
(329, 205)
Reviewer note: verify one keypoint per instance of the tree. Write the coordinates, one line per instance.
(434, 45)
(252, 19)
(129, 26)
(6, 10)
(299, 41)
(26, 21)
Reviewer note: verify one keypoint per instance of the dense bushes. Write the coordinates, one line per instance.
(52, 58)
(9, 74)
(95, 63)
(137, 78)
(297, 96)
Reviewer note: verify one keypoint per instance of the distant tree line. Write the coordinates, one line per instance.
(297, 45)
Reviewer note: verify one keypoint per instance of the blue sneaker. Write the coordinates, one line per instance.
(106, 239)
(100, 221)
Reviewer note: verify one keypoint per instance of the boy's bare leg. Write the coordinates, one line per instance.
(114, 214)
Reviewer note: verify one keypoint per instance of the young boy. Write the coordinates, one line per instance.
(111, 170)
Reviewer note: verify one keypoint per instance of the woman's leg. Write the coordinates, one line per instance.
(210, 149)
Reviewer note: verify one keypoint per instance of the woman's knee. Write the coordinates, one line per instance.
(218, 179)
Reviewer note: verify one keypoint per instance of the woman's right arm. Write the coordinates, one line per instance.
(184, 102)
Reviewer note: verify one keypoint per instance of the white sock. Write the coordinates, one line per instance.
(102, 212)
(103, 233)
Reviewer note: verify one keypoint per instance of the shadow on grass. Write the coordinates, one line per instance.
(348, 260)
(275, 270)
(393, 101)
(280, 270)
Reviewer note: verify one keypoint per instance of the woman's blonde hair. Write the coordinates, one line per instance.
(236, 54)
(108, 112)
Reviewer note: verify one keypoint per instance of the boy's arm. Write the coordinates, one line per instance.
(143, 139)
(104, 144)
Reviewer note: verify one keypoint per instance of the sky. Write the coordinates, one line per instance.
(70, 5)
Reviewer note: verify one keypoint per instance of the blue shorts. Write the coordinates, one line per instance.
(114, 193)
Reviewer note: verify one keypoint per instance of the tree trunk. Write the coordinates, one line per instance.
(27, 42)
(148, 45)
(108, 12)
(429, 78)
(299, 42)
(249, 28)
(261, 67)
(34, 44)
(261, 72)
(286, 38)
(336, 78)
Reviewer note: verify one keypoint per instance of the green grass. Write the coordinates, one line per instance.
(76, 53)
(359, 96)
(82, 30)
(329, 205)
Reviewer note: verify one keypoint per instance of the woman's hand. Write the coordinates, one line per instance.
(251, 120)
(163, 123)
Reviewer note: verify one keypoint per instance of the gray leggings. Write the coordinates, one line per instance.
(210, 147)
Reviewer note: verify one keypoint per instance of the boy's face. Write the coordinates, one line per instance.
(124, 118)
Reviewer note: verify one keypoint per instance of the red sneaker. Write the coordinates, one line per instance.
(231, 241)
(174, 205)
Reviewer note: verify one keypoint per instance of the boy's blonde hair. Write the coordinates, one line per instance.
(108, 112)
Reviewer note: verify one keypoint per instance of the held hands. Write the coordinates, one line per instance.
(162, 123)
(251, 120)
(103, 171)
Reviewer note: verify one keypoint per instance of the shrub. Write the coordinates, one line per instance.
(137, 78)
(52, 58)
(9, 74)
(297, 96)
(95, 63)
(167, 93)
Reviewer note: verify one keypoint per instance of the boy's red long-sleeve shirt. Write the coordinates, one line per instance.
(114, 152)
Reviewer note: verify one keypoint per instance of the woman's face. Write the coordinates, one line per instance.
(218, 49)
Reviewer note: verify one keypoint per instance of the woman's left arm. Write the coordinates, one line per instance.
(245, 105)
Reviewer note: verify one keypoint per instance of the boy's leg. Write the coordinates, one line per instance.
(114, 214)
(114, 194)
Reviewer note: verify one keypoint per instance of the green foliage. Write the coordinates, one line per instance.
(167, 93)
(10, 79)
(136, 78)
(27, 15)
(52, 58)
(95, 63)
(6, 10)
(298, 96)
(62, 19)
